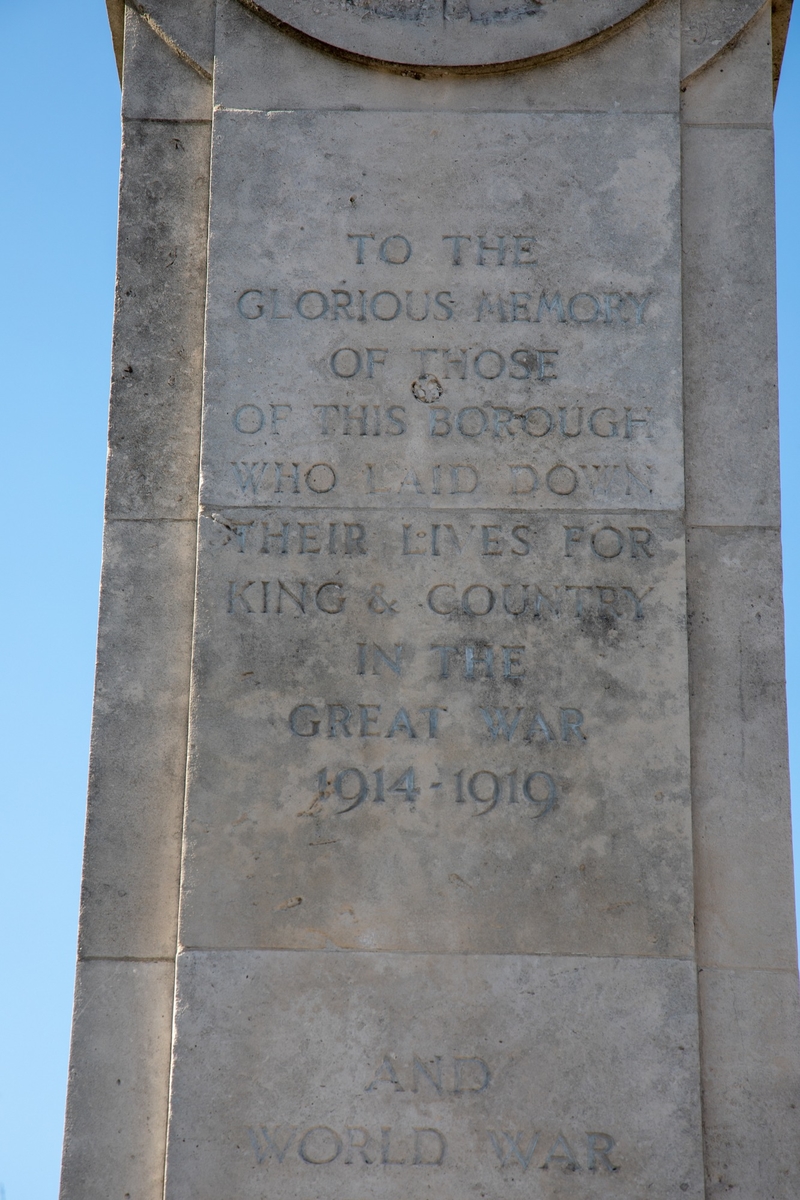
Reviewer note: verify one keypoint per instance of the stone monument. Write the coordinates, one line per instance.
(438, 839)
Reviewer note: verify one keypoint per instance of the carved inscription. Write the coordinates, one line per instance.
(351, 787)
(322, 1146)
(437, 570)
(520, 599)
(507, 481)
(343, 303)
(486, 688)
(275, 533)
(437, 883)
(432, 1078)
(469, 422)
(465, 379)
(444, 653)
(482, 12)
(445, 1075)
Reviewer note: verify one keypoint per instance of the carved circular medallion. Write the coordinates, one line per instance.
(449, 33)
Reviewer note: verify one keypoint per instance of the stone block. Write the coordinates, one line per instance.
(161, 81)
(138, 759)
(434, 327)
(156, 384)
(730, 380)
(407, 750)
(751, 1083)
(740, 784)
(736, 86)
(341, 1074)
(119, 1071)
(709, 28)
(189, 24)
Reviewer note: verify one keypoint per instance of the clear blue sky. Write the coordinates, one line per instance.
(59, 148)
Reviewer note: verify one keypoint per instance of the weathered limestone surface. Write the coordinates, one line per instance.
(119, 1074)
(461, 34)
(746, 941)
(257, 67)
(749, 1029)
(154, 437)
(540, 780)
(138, 756)
(382, 1101)
(438, 833)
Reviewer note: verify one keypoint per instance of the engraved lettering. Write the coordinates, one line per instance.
(320, 1145)
(512, 1148)
(599, 1146)
(429, 1147)
(266, 1145)
(560, 1154)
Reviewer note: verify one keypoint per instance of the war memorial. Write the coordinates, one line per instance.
(438, 840)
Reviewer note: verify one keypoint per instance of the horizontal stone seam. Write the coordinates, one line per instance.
(727, 125)
(465, 112)
(790, 970)
(165, 120)
(431, 953)
(487, 508)
(177, 520)
(741, 528)
(123, 958)
(209, 504)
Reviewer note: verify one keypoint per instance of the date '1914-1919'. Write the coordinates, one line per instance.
(352, 787)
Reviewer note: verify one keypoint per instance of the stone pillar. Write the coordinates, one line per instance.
(438, 832)
(119, 1067)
